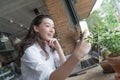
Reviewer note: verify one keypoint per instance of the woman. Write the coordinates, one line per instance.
(41, 53)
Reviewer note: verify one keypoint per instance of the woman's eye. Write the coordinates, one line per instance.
(47, 26)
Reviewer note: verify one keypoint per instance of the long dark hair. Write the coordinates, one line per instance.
(33, 36)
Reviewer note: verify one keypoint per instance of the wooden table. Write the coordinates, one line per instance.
(95, 73)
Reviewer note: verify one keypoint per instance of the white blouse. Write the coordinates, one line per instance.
(34, 65)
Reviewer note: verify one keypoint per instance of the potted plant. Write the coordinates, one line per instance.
(110, 40)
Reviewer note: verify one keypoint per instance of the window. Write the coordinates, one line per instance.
(72, 12)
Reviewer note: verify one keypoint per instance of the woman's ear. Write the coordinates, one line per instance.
(35, 28)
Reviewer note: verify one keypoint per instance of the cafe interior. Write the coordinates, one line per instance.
(15, 18)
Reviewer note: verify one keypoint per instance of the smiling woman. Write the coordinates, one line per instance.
(15, 18)
(47, 31)
(41, 53)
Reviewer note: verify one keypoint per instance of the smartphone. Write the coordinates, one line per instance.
(84, 27)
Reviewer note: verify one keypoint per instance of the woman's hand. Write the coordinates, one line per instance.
(82, 47)
(53, 42)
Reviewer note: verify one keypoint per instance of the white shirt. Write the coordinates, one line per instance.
(34, 65)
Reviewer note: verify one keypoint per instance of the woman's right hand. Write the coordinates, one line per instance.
(82, 47)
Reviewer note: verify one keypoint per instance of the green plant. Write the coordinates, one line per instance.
(107, 38)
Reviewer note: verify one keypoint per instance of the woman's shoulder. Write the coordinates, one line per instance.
(33, 48)
(32, 51)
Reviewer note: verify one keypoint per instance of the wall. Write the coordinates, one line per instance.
(63, 29)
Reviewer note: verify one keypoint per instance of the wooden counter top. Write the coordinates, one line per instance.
(95, 73)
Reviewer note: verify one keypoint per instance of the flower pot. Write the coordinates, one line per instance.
(107, 68)
(115, 63)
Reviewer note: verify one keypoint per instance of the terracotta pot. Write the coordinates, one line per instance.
(107, 68)
(115, 63)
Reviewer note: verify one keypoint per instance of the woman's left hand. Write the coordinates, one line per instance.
(53, 42)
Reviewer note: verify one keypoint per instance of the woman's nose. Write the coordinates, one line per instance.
(52, 30)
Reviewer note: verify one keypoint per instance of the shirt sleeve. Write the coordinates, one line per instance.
(33, 60)
(56, 59)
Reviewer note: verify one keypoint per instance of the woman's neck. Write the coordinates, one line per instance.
(46, 42)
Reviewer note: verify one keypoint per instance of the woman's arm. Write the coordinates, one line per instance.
(54, 43)
(61, 55)
(64, 70)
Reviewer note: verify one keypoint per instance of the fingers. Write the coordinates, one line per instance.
(85, 33)
(79, 41)
(52, 41)
(83, 45)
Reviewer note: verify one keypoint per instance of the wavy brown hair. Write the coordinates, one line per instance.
(33, 36)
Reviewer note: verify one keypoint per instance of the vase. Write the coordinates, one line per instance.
(115, 63)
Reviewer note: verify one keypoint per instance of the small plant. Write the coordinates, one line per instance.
(107, 38)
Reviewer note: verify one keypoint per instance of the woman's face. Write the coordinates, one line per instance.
(46, 29)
